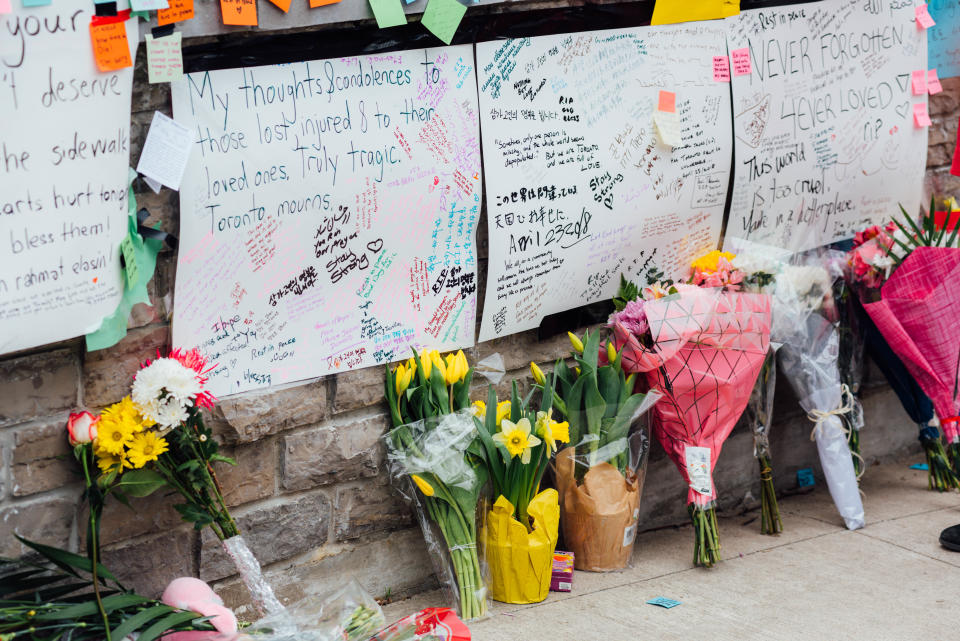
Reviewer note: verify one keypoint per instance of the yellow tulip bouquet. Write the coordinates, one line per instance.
(522, 527)
(429, 451)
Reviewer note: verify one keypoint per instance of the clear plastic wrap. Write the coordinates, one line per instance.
(264, 600)
(758, 413)
(430, 624)
(850, 361)
(805, 323)
(600, 514)
(349, 614)
(430, 466)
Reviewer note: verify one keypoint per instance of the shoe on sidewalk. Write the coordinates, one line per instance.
(950, 538)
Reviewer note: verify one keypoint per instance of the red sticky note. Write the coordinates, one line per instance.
(239, 12)
(918, 80)
(668, 102)
(721, 69)
(920, 116)
(283, 5)
(110, 47)
(924, 19)
(178, 11)
(933, 82)
(741, 61)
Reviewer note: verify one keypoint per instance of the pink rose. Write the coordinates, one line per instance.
(82, 428)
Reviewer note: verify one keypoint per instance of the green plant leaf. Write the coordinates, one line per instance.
(165, 624)
(220, 458)
(67, 561)
(141, 483)
(88, 608)
(140, 619)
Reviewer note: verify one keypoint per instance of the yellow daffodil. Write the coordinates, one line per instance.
(422, 483)
(480, 409)
(517, 439)
(503, 411)
(146, 447)
(576, 342)
(537, 374)
(551, 431)
(611, 352)
(709, 262)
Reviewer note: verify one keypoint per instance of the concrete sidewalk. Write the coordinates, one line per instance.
(816, 581)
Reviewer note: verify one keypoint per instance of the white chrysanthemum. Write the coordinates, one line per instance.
(808, 283)
(757, 263)
(164, 390)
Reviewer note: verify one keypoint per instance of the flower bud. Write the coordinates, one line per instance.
(576, 342)
(82, 428)
(537, 374)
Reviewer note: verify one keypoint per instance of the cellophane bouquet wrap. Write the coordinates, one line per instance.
(850, 361)
(600, 478)
(805, 324)
(702, 352)
(429, 624)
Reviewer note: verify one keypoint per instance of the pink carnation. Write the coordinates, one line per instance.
(633, 317)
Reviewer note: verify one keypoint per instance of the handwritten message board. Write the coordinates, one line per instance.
(825, 139)
(580, 188)
(944, 38)
(64, 158)
(328, 214)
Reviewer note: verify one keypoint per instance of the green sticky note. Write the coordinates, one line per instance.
(130, 261)
(442, 18)
(389, 13)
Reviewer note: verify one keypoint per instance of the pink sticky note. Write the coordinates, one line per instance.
(721, 69)
(667, 102)
(933, 82)
(920, 116)
(741, 61)
(5, 6)
(918, 80)
(924, 19)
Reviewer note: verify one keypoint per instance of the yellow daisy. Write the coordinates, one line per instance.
(107, 462)
(146, 447)
(115, 431)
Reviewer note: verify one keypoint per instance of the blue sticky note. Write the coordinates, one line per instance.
(664, 602)
(36, 3)
(920, 466)
(805, 477)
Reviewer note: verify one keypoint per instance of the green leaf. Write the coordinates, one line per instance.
(88, 608)
(608, 384)
(594, 406)
(141, 483)
(140, 619)
(165, 624)
(67, 561)
(220, 458)
(575, 415)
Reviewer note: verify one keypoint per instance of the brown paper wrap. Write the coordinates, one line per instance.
(599, 517)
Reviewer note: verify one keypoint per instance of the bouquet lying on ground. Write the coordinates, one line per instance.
(600, 480)
(521, 529)
(903, 275)
(805, 323)
(428, 454)
(700, 345)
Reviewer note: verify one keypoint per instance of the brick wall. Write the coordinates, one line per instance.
(310, 492)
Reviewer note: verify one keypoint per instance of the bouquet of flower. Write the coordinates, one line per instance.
(600, 480)
(428, 454)
(805, 323)
(701, 348)
(850, 362)
(876, 253)
(521, 529)
(916, 312)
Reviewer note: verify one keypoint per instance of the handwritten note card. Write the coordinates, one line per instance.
(63, 176)
(741, 61)
(239, 12)
(166, 151)
(944, 41)
(721, 68)
(164, 57)
(334, 235)
(924, 20)
(179, 11)
(918, 82)
(933, 82)
(111, 49)
(581, 190)
(920, 116)
(442, 18)
(668, 128)
(816, 165)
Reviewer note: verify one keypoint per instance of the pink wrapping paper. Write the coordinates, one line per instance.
(708, 351)
(918, 314)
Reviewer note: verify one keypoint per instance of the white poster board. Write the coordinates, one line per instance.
(64, 165)
(581, 190)
(825, 137)
(327, 214)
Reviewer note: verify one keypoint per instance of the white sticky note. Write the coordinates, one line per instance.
(166, 151)
(149, 5)
(164, 57)
(698, 469)
(668, 128)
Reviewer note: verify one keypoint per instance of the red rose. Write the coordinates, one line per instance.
(82, 428)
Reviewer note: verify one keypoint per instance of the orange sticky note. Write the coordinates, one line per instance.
(283, 5)
(321, 3)
(668, 102)
(179, 11)
(110, 47)
(239, 12)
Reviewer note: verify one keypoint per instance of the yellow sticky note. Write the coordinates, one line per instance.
(110, 47)
(164, 57)
(674, 11)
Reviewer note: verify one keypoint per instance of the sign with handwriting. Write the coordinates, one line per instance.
(64, 164)
(580, 188)
(824, 135)
(328, 214)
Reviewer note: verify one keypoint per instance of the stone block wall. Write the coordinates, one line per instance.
(311, 491)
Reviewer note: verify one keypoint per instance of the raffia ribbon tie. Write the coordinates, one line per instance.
(846, 406)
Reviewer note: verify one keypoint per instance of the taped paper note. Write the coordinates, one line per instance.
(389, 13)
(166, 151)
(943, 50)
(933, 82)
(179, 10)
(924, 21)
(442, 18)
(111, 48)
(918, 82)
(239, 12)
(668, 128)
(920, 116)
(721, 68)
(164, 57)
(698, 469)
(741, 61)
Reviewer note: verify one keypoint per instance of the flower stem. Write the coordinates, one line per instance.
(93, 541)
(770, 522)
(706, 541)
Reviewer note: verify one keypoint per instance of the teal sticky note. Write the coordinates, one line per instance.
(442, 18)
(36, 3)
(389, 13)
(920, 466)
(664, 602)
